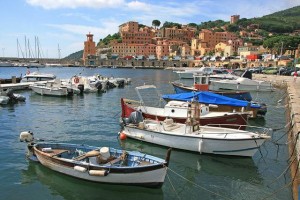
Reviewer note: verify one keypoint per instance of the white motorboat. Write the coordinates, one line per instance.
(188, 73)
(37, 76)
(202, 139)
(241, 84)
(55, 88)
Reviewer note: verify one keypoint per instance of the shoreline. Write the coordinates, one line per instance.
(292, 100)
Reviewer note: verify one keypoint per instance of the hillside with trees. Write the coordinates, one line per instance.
(75, 56)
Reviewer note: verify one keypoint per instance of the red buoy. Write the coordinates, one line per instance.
(123, 136)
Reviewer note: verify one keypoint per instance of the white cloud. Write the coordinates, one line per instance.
(107, 27)
(54, 4)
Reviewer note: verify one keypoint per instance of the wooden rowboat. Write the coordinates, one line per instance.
(100, 164)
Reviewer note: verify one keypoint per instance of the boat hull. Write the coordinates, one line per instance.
(61, 92)
(239, 147)
(223, 85)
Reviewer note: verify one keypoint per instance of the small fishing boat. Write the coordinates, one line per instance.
(192, 137)
(201, 83)
(7, 96)
(99, 164)
(88, 84)
(53, 88)
(4, 100)
(177, 110)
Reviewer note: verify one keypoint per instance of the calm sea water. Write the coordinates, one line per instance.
(93, 119)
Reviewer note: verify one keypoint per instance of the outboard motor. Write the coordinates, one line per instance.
(98, 85)
(134, 118)
(110, 85)
(11, 96)
(247, 74)
(26, 136)
(121, 83)
(81, 88)
(70, 91)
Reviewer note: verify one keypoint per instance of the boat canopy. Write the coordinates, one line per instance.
(209, 98)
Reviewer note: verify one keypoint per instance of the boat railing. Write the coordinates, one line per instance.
(256, 129)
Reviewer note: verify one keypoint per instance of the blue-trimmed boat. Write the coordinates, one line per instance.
(99, 164)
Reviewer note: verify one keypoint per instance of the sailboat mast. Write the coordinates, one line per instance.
(18, 47)
(25, 47)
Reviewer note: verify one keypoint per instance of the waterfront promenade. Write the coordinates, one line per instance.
(292, 103)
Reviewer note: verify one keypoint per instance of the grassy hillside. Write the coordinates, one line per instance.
(285, 21)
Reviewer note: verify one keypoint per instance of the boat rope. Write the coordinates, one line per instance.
(294, 145)
(284, 171)
(197, 185)
(259, 151)
(173, 187)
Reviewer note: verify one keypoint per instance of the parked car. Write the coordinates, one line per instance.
(270, 70)
(288, 71)
(257, 70)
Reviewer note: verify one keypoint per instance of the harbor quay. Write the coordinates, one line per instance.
(292, 87)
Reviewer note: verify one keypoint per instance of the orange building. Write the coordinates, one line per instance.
(142, 36)
(213, 38)
(128, 27)
(89, 48)
(185, 34)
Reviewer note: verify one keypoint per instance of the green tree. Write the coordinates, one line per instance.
(156, 23)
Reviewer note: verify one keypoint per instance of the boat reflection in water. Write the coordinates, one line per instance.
(194, 164)
(66, 187)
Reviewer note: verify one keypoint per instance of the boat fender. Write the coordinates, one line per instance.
(26, 136)
(80, 169)
(104, 151)
(76, 80)
(200, 146)
(47, 149)
(98, 172)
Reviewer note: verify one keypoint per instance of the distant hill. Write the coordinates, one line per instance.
(75, 56)
(285, 21)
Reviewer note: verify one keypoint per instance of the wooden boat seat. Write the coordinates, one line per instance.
(143, 163)
(56, 152)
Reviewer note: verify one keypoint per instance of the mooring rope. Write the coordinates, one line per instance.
(173, 187)
(203, 188)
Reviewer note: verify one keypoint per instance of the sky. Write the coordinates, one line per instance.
(62, 25)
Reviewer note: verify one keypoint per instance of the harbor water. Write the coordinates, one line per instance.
(93, 119)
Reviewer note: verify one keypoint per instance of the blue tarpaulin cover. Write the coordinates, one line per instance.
(209, 98)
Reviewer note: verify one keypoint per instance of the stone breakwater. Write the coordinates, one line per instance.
(292, 87)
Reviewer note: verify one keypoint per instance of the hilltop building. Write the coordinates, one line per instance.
(89, 51)
(234, 19)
